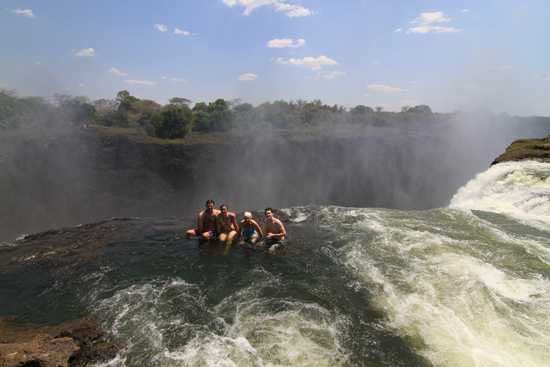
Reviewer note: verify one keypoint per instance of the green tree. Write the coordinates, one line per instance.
(216, 116)
(172, 121)
(221, 118)
(423, 109)
(201, 117)
(180, 101)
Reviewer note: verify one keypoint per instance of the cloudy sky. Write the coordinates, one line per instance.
(450, 54)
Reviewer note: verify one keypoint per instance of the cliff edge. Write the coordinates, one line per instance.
(523, 149)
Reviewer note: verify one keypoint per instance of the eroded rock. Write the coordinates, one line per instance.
(68, 345)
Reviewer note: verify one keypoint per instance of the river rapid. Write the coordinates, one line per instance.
(465, 285)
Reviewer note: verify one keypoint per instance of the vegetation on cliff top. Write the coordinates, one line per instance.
(179, 117)
(536, 149)
(182, 122)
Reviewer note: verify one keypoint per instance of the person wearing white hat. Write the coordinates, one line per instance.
(251, 231)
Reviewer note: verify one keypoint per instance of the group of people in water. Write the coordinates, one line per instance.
(221, 224)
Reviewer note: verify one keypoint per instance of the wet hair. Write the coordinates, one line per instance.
(266, 209)
(210, 201)
(223, 206)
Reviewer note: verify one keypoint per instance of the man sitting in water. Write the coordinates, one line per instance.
(274, 230)
(227, 226)
(250, 230)
(206, 223)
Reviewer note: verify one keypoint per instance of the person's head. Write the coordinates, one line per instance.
(210, 204)
(268, 213)
(247, 216)
(223, 209)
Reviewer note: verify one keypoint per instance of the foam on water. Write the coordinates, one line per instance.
(519, 189)
(296, 214)
(451, 287)
(169, 323)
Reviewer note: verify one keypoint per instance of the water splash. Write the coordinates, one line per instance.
(170, 323)
(519, 189)
(460, 294)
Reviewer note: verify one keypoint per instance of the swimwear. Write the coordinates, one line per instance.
(249, 232)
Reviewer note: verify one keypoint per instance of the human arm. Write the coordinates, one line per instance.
(258, 228)
(200, 222)
(235, 223)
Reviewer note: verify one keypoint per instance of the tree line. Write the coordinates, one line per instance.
(180, 116)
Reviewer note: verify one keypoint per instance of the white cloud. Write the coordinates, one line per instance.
(27, 13)
(398, 30)
(117, 72)
(423, 29)
(181, 32)
(140, 82)
(313, 63)
(430, 22)
(161, 28)
(290, 10)
(465, 10)
(431, 17)
(330, 75)
(383, 88)
(248, 77)
(85, 52)
(286, 43)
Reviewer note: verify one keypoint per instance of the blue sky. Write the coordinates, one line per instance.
(448, 54)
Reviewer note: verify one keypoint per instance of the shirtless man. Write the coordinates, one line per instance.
(227, 226)
(274, 230)
(250, 230)
(206, 223)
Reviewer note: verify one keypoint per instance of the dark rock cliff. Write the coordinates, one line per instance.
(81, 176)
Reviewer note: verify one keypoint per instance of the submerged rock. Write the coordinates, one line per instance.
(523, 149)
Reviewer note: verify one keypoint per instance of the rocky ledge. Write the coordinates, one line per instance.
(523, 149)
(77, 343)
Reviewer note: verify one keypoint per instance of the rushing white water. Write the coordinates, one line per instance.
(464, 289)
(519, 189)
(456, 297)
(168, 323)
